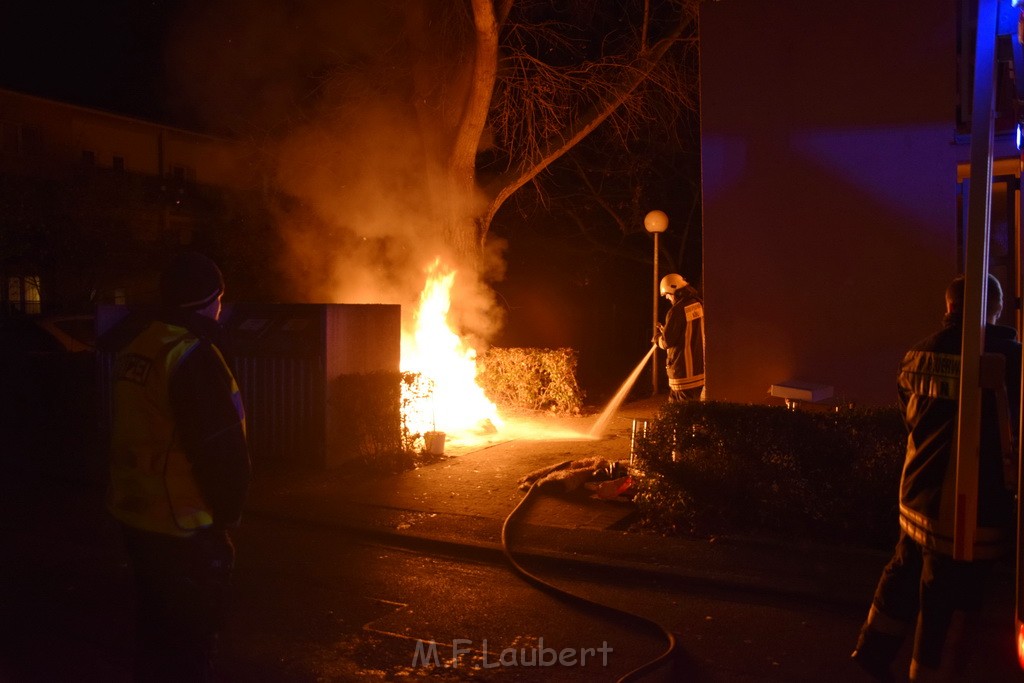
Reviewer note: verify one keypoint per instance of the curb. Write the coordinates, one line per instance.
(673, 565)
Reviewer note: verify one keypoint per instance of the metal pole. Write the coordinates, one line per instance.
(975, 286)
(654, 321)
(1019, 560)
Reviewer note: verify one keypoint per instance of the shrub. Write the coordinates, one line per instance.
(369, 424)
(532, 379)
(370, 410)
(722, 468)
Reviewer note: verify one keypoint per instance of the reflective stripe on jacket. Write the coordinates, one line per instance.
(683, 339)
(929, 384)
(152, 485)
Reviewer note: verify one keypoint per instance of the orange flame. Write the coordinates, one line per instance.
(456, 404)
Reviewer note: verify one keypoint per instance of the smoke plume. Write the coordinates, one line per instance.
(322, 89)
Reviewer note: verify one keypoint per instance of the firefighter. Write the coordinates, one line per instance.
(923, 589)
(682, 336)
(179, 468)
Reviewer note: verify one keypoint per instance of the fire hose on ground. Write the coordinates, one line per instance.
(586, 603)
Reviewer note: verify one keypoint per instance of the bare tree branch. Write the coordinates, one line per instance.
(612, 96)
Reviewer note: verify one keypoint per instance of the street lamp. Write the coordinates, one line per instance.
(656, 222)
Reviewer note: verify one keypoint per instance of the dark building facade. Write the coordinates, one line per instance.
(835, 148)
(92, 202)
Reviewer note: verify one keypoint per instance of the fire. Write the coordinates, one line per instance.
(454, 402)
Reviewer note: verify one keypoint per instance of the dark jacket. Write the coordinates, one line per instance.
(683, 339)
(929, 381)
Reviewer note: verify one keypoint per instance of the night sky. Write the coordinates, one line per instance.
(106, 54)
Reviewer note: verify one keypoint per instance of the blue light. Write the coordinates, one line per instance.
(1020, 134)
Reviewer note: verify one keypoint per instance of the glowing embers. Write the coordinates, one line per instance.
(1020, 643)
(446, 396)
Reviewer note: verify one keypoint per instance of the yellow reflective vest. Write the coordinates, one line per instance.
(152, 485)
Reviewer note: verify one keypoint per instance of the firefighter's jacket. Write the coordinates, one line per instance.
(683, 340)
(929, 382)
(178, 455)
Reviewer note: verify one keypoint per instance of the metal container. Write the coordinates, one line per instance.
(285, 358)
(639, 433)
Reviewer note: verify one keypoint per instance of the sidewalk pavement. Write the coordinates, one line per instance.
(67, 587)
(460, 504)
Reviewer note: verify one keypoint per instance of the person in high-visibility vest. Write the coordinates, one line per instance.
(923, 589)
(682, 337)
(179, 469)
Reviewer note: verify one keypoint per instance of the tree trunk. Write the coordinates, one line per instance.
(451, 119)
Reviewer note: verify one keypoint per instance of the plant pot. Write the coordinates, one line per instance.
(433, 443)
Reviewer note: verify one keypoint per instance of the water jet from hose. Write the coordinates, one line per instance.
(602, 421)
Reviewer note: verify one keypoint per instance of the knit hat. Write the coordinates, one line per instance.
(191, 281)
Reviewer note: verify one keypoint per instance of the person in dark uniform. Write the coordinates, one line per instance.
(179, 469)
(923, 589)
(682, 337)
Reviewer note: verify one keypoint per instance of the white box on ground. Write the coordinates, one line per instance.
(795, 390)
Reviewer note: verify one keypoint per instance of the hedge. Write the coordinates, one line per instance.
(713, 468)
(532, 379)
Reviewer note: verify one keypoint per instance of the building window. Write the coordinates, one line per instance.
(183, 174)
(9, 138)
(19, 140)
(117, 163)
(1004, 232)
(31, 141)
(88, 157)
(23, 294)
(1005, 89)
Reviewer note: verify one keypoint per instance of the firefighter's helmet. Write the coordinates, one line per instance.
(672, 282)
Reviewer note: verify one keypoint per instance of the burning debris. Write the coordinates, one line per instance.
(452, 401)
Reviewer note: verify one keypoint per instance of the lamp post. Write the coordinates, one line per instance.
(656, 222)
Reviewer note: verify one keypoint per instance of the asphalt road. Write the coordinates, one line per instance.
(313, 604)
